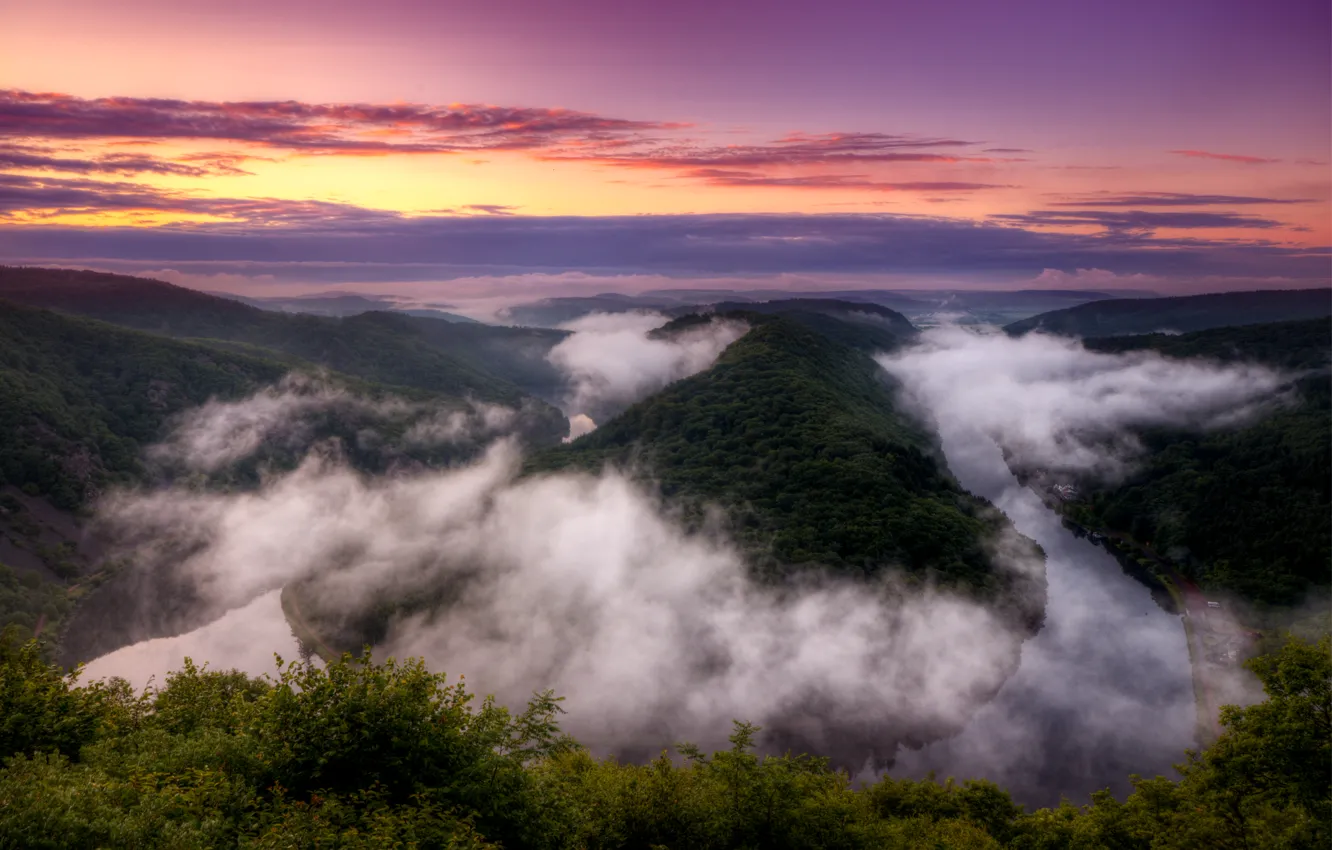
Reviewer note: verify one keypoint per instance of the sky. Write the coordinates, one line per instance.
(293, 145)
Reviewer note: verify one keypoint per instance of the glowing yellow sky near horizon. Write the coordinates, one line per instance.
(432, 52)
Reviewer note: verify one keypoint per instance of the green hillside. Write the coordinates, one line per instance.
(870, 327)
(384, 348)
(797, 438)
(81, 400)
(1245, 509)
(366, 755)
(1179, 315)
(797, 435)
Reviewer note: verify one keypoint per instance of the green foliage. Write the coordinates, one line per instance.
(368, 755)
(27, 600)
(78, 398)
(42, 709)
(798, 436)
(1118, 316)
(385, 348)
(869, 327)
(1246, 509)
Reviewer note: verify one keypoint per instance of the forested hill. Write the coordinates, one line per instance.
(79, 399)
(1179, 315)
(490, 364)
(870, 327)
(798, 436)
(1244, 509)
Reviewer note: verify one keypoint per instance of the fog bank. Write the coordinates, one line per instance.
(1057, 406)
(612, 360)
(584, 584)
(1105, 689)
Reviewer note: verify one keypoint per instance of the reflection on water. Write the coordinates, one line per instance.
(1102, 692)
(243, 639)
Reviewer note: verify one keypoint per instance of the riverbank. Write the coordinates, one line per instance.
(309, 640)
(1219, 642)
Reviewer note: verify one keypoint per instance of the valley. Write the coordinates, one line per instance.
(781, 510)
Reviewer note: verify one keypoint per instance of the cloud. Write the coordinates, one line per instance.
(1090, 279)
(1137, 219)
(798, 150)
(343, 128)
(1170, 199)
(292, 415)
(1227, 157)
(324, 242)
(729, 177)
(374, 129)
(25, 196)
(492, 209)
(1059, 407)
(611, 360)
(587, 585)
(30, 158)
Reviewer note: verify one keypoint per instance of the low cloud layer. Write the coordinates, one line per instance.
(288, 417)
(584, 584)
(1057, 406)
(612, 361)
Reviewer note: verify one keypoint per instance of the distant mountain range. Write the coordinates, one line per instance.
(388, 348)
(917, 305)
(1180, 314)
(340, 304)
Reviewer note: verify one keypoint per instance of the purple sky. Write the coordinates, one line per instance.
(1184, 143)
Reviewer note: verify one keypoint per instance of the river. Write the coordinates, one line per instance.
(244, 639)
(1102, 692)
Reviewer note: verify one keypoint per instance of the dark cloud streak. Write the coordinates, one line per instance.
(346, 128)
(437, 247)
(1137, 219)
(1171, 199)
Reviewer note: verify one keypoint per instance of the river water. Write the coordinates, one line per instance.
(1102, 692)
(244, 639)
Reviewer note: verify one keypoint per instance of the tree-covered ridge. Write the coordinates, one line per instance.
(1245, 509)
(392, 755)
(1179, 315)
(798, 437)
(380, 347)
(870, 327)
(79, 399)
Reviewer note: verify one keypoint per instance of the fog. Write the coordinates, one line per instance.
(612, 359)
(589, 586)
(1105, 689)
(1057, 406)
(655, 633)
(288, 416)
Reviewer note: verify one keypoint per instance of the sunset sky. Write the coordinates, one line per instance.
(591, 145)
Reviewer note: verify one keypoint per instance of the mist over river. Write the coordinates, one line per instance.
(1103, 691)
